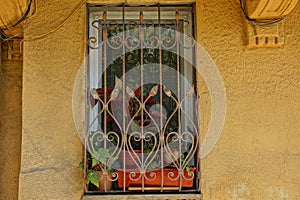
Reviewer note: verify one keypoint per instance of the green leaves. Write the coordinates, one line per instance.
(94, 162)
(93, 177)
(187, 168)
(102, 155)
(81, 164)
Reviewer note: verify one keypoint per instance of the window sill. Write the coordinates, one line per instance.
(143, 196)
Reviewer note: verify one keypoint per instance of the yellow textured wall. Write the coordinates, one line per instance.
(258, 153)
(10, 124)
(51, 149)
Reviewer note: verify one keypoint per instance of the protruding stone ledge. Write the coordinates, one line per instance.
(143, 196)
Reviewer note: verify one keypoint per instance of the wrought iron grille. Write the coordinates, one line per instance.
(142, 122)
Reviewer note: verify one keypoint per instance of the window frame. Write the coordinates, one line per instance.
(97, 60)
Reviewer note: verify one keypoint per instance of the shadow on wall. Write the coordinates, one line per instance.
(10, 121)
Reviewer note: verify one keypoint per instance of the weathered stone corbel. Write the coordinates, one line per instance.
(12, 49)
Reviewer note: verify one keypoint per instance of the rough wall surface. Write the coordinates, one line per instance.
(51, 149)
(258, 153)
(10, 127)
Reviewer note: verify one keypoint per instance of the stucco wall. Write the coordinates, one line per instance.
(51, 148)
(10, 124)
(258, 153)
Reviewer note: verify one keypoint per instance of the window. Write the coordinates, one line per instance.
(142, 121)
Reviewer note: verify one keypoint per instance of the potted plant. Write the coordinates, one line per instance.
(171, 176)
(99, 169)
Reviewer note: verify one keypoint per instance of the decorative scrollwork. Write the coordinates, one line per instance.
(114, 176)
(132, 122)
(95, 139)
(167, 42)
(149, 23)
(188, 176)
(151, 176)
(113, 24)
(93, 43)
(152, 151)
(115, 42)
(170, 24)
(97, 24)
(188, 42)
(152, 43)
(172, 176)
(132, 24)
(135, 176)
(132, 42)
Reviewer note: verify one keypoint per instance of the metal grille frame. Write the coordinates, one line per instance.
(140, 172)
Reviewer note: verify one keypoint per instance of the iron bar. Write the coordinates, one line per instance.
(141, 37)
(124, 92)
(161, 135)
(178, 91)
(105, 36)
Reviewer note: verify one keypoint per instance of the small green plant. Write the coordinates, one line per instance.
(183, 162)
(187, 168)
(95, 163)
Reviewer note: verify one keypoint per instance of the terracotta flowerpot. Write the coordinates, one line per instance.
(170, 157)
(169, 174)
(128, 160)
(105, 184)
